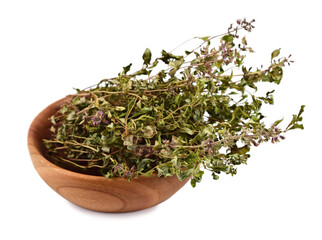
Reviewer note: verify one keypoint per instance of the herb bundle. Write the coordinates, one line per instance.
(199, 112)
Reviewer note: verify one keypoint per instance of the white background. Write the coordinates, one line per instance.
(49, 47)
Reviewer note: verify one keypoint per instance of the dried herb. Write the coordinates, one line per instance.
(198, 112)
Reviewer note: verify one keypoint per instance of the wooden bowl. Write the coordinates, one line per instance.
(95, 192)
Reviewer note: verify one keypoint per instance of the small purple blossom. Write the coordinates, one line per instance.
(99, 118)
(85, 120)
(100, 113)
(95, 120)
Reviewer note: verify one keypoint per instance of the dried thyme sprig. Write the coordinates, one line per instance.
(200, 111)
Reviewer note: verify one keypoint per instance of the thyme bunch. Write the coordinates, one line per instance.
(199, 112)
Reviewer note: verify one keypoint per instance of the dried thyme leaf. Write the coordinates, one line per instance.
(200, 112)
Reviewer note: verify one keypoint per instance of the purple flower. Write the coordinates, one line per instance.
(100, 113)
(106, 121)
(95, 120)
(99, 118)
(85, 119)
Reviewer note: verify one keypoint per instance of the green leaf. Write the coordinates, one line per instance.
(215, 176)
(278, 122)
(176, 64)
(108, 175)
(145, 118)
(277, 75)
(297, 126)
(275, 53)
(269, 97)
(147, 56)
(166, 57)
(142, 111)
(106, 149)
(294, 124)
(187, 130)
(52, 119)
(148, 132)
(228, 38)
(301, 111)
(128, 140)
(244, 41)
(175, 160)
(154, 64)
(184, 175)
(144, 163)
(120, 108)
(241, 150)
(148, 174)
(71, 116)
(204, 38)
(52, 129)
(193, 182)
(166, 170)
(127, 68)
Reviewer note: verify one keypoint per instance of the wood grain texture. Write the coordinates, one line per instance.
(95, 192)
